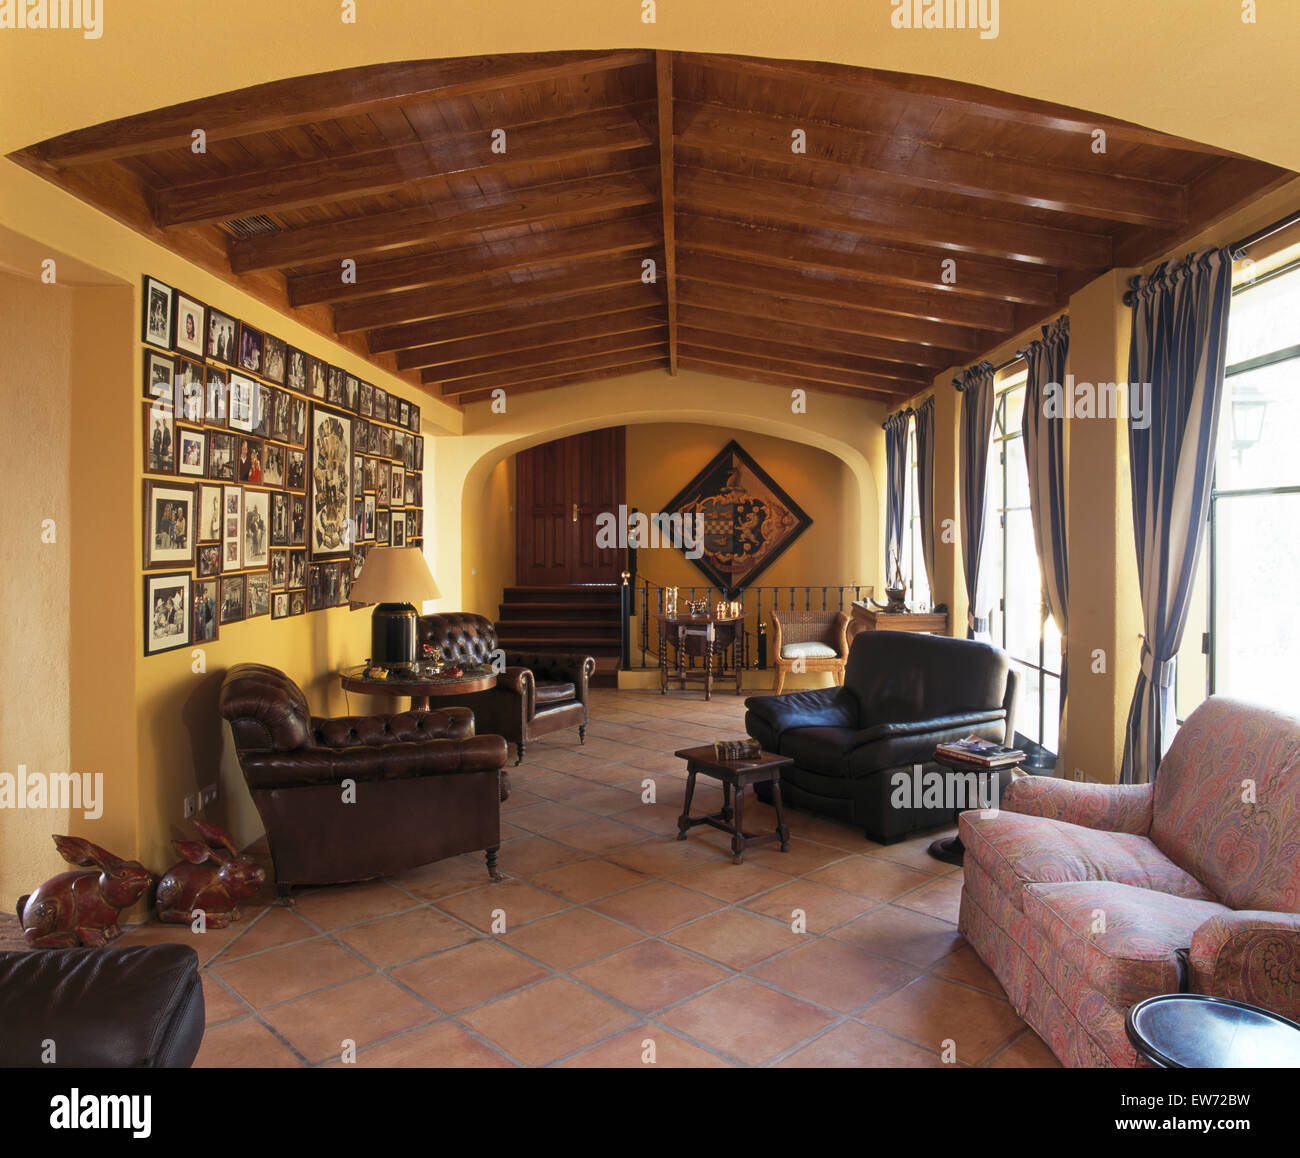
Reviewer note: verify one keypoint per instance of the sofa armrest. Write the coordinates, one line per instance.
(347, 731)
(824, 708)
(1111, 807)
(1249, 956)
(307, 767)
(925, 727)
(573, 669)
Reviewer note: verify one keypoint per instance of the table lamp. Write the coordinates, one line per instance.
(393, 577)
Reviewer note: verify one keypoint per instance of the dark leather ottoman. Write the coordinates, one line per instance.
(114, 1008)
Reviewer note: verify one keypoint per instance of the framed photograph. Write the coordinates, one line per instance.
(280, 416)
(207, 526)
(191, 325)
(368, 517)
(250, 348)
(334, 390)
(160, 378)
(295, 371)
(232, 535)
(208, 561)
(159, 305)
(279, 519)
(329, 517)
(241, 402)
(419, 452)
(214, 413)
(358, 520)
(295, 473)
(315, 586)
(232, 599)
(222, 332)
(169, 517)
(398, 536)
(274, 355)
(257, 528)
(297, 570)
(223, 448)
(159, 439)
(399, 446)
(383, 477)
(297, 602)
(251, 451)
(383, 526)
(358, 472)
(394, 408)
(280, 605)
(205, 611)
(359, 553)
(415, 418)
(297, 520)
(409, 457)
(386, 442)
(316, 378)
(333, 590)
(368, 476)
(410, 490)
(410, 527)
(397, 491)
(190, 402)
(273, 464)
(191, 452)
(351, 393)
(298, 421)
(381, 404)
(366, 400)
(257, 595)
(404, 415)
(345, 583)
(279, 570)
(263, 409)
(166, 612)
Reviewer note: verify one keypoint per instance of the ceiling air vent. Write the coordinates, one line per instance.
(250, 226)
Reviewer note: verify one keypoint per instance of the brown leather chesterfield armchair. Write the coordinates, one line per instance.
(426, 787)
(534, 696)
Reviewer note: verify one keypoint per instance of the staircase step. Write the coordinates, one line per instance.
(567, 612)
(603, 593)
(572, 631)
(562, 645)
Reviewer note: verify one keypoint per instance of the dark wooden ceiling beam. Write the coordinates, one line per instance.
(444, 222)
(918, 164)
(921, 305)
(471, 370)
(516, 315)
(323, 96)
(698, 344)
(862, 261)
(454, 266)
(601, 374)
(532, 337)
(922, 362)
(667, 184)
(593, 365)
(761, 371)
(351, 175)
(786, 202)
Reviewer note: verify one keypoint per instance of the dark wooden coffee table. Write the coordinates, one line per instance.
(1193, 1031)
(734, 774)
(475, 678)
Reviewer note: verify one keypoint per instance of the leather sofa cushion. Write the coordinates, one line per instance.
(1123, 940)
(554, 692)
(1018, 850)
(819, 749)
(807, 651)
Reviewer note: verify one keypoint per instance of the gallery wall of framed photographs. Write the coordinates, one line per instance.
(268, 473)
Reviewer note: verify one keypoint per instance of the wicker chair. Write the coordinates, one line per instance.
(809, 641)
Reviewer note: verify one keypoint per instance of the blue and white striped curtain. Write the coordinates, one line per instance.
(976, 388)
(1176, 357)
(895, 488)
(925, 485)
(1043, 430)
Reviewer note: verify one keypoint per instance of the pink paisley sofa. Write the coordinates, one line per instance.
(1086, 898)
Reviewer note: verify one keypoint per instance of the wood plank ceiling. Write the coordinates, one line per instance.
(501, 212)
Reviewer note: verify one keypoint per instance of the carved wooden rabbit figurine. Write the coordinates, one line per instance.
(207, 879)
(81, 908)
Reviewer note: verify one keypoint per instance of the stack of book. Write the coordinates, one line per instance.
(747, 749)
(985, 753)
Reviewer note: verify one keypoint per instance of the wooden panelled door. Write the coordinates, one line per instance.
(560, 489)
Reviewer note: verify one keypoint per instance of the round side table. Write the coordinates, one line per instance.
(1195, 1031)
(421, 689)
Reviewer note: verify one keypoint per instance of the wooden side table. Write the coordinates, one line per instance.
(720, 632)
(950, 849)
(867, 618)
(735, 775)
(421, 689)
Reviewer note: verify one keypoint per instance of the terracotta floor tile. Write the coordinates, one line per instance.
(902, 934)
(571, 938)
(914, 852)
(871, 877)
(361, 1011)
(940, 898)
(834, 975)
(650, 975)
(660, 819)
(931, 1011)
(218, 1003)
(856, 1046)
(535, 854)
(606, 801)
(611, 773)
(443, 1045)
(338, 906)
(547, 1021)
(280, 974)
(468, 975)
(245, 1044)
(544, 817)
(597, 835)
(558, 786)
(519, 796)
(635, 1048)
(207, 945)
(822, 907)
(803, 856)
(1028, 1051)
(519, 901)
(734, 937)
(276, 926)
(746, 1020)
(656, 907)
(824, 830)
(963, 964)
(729, 882)
(446, 878)
(585, 880)
(657, 857)
(405, 936)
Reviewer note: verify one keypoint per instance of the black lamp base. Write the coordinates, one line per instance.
(392, 635)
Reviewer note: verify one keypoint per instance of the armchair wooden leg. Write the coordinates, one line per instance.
(492, 869)
(519, 748)
(582, 733)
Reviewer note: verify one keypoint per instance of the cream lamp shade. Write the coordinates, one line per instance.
(395, 575)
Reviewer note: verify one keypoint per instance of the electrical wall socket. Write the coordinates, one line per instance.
(191, 806)
(208, 796)
(1078, 775)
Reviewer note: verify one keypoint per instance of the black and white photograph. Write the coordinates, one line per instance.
(297, 570)
(335, 391)
(295, 473)
(223, 331)
(366, 400)
(207, 560)
(415, 418)
(280, 415)
(207, 529)
(190, 391)
(159, 439)
(273, 464)
(257, 528)
(383, 526)
(351, 393)
(397, 491)
(217, 389)
(279, 519)
(191, 452)
(295, 376)
(168, 529)
(316, 377)
(257, 595)
(166, 612)
(398, 535)
(381, 404)
(204, 620)
(191, 326)
(280, 605)
(383, 478)
(368, 517)
(274, 352)
(158, 307)
(223, 450)
(315, 586)
(297, 520)
(330, 484)
(298, 421)
(279, 568)
(263, 409)
(232, 529)
(232, 599)
(297, 602)
(368, 476)
(241, 402)
(160, 379)
(250, 349)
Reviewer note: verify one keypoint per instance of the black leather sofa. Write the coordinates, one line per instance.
(903, 694)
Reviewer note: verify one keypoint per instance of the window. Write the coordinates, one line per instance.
(1011, 583)
(1242, 636)
(911, 559)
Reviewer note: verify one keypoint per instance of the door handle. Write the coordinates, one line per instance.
(575, 512)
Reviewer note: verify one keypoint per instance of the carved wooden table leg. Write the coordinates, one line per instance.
(738, 837)
(684, 821)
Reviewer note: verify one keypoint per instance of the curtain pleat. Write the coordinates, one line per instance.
(976, 388)
(895, 488)
(925, 485)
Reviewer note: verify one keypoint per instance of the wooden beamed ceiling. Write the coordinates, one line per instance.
(539, 220)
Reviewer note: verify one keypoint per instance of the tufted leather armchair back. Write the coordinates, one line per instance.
(460, 634)
(266, 709)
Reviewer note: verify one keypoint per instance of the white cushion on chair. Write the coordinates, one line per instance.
(808, 651)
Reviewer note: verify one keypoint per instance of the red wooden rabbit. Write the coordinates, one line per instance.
(81, 908)
(207, 879)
